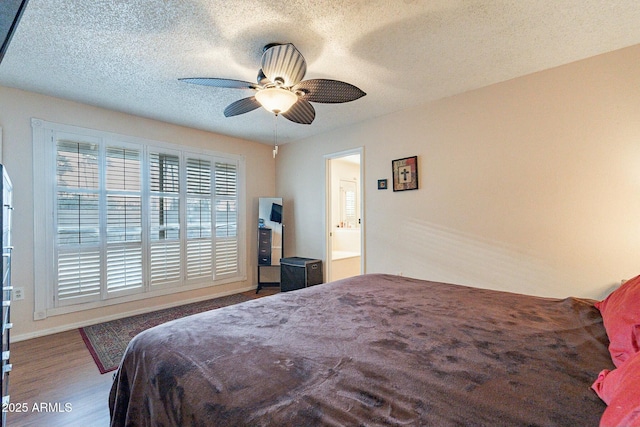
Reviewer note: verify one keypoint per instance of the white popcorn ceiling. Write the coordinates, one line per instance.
(127, 55)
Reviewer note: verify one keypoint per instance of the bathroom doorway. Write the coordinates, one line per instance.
(345, 237)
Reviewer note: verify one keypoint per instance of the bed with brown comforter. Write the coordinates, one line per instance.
(370, 350)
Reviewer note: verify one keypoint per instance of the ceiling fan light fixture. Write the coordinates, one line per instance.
(276, 100)
(280, 88)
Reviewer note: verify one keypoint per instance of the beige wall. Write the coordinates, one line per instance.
(16, 110)
(532, 185)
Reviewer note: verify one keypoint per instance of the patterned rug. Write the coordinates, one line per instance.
(107, 341)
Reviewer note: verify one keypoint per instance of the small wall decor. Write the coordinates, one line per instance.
(382, 184)
(405, 173)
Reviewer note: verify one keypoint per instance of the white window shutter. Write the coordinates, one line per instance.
(226, 219)
(199, 238)
(123, 193)
(164, 216)
(124, 267)
(78, 273)
(131, 216)
(165, 262)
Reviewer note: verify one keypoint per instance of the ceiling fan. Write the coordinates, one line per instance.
(280, 88)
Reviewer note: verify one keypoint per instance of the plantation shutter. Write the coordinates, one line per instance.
(164, 216)
(78, 273)
(199, 238)
(226, 219)
(121, 218)
(124, 219)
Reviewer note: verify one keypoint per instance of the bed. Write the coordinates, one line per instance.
(370, 350)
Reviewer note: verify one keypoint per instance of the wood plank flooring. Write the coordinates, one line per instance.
(55, 382)
(57, 370)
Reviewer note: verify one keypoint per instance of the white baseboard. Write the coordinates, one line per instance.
(68, 327)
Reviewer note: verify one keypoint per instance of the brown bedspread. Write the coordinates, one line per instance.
(371, 350)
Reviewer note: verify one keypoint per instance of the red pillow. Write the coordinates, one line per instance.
(620, 389)
(621, 314)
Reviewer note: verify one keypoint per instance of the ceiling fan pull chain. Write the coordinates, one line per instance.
(275, 133)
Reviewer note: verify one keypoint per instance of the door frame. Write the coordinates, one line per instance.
(328, 207)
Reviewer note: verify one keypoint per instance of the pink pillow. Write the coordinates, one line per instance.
(620, 389)
(621, 314)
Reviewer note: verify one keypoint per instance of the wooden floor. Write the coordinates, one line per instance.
(55, 382)
(55, 371)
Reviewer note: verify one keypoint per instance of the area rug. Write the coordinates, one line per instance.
(107, 341)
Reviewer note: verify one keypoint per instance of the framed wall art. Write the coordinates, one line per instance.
(405, 173)
(382, 184)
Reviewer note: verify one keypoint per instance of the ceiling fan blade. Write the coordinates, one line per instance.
(241, 106)
(215, 82)
(301, 112)
(284, 61)
(328, 91)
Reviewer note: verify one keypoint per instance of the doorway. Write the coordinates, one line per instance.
(344, 214)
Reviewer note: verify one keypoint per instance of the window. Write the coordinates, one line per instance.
(199, 237)
(226, 213)
(164, 216)
(78, 220)
(131, 218)
(123, 197)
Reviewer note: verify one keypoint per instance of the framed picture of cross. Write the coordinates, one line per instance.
(405, 173)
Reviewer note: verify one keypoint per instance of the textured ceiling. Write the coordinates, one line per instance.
(127, 55)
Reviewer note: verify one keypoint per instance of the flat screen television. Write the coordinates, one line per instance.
(276, 213)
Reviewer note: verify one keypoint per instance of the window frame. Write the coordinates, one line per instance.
(45, 245)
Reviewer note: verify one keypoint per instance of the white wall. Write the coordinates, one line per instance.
(16, 110)
(531, 185)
